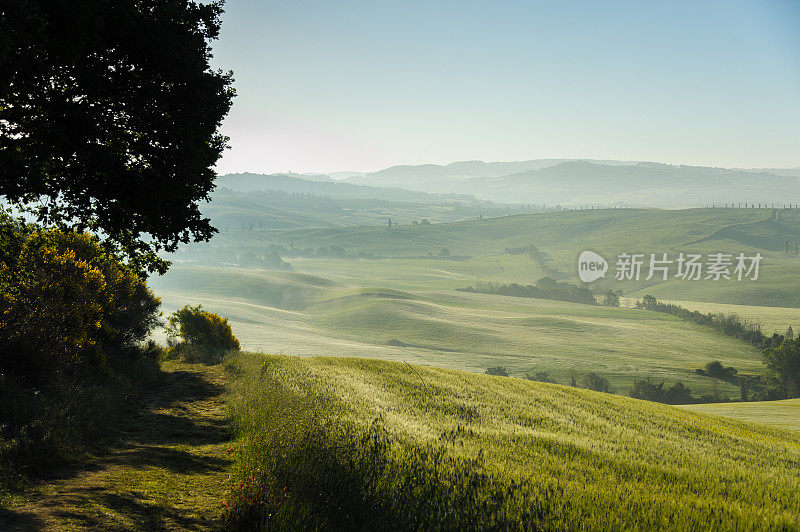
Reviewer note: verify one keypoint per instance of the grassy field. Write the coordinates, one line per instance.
(330, 442)
(784, 414)
(560, 237)
(772, 319)
(344, 307)
(300, 314)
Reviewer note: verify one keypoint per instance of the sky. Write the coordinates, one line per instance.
(327, 86)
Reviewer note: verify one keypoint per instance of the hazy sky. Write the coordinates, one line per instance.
(362, 85)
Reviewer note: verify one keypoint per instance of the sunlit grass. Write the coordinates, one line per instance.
(582, 459)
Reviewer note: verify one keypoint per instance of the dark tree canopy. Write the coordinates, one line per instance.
(109, 117)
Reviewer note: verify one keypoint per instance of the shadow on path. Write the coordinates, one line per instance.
(166, 469)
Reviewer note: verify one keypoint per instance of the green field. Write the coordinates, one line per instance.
(300, 314)
(403, 306)
(784, 414)
(457, 450)
(772, 319)
(560, 237)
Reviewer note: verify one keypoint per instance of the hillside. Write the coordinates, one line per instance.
(302, 185)
(559, 238)
(783, 414)
(493, 450)
(643, 184)
(278, 202)
(595, 182)
(434, 176)
(393, 319)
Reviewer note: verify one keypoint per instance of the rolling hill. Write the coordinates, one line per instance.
(596, 182)
(559, 237)
(784, 414)
(424, 447)
(318, 187)
(301, 314)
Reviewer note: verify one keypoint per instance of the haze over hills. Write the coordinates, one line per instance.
(427, 174)
(291, 201)
(323, 185)
(577, 182)
(570, 183)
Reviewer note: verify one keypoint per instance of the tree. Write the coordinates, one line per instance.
(784, 362)
(593, 381)
(648, 302)
(109, 117)
(540, 376)
(611, 298)
(444, 253)
(497, 370)
(649, 391)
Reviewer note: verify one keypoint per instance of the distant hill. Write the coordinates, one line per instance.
(434, 177)
(642, 184)
(595, 182)
(325, 186)
(281, 201)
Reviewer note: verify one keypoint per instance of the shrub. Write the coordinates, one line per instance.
(206, 337)
(48, 425)
(497, 370)
(539, 376)
(728, 324)
(648, 391)
(593, 381)
(677, 394)
(545, 288)
(717, 370)
(65, 302)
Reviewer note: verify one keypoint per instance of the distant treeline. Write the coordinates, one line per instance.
(270, 261)
(677, 394)
(729, 324)
(332, 252)
(545, 288)
(539, 257)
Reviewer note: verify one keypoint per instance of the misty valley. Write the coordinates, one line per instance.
(243, 287)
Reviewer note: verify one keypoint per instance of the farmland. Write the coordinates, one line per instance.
(558, 455)
(402, 304)
(784, 414)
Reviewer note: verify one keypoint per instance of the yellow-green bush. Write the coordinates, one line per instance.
(72, 318)
(66, 302)
(205, 337)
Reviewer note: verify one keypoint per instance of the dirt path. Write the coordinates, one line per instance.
(166, 471)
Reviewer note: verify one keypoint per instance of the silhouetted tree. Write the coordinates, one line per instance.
(109, 116)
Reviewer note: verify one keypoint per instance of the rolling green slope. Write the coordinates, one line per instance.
(309, 315)
(772, 319)
(549, 456)
(560, 237)
(783, 414)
